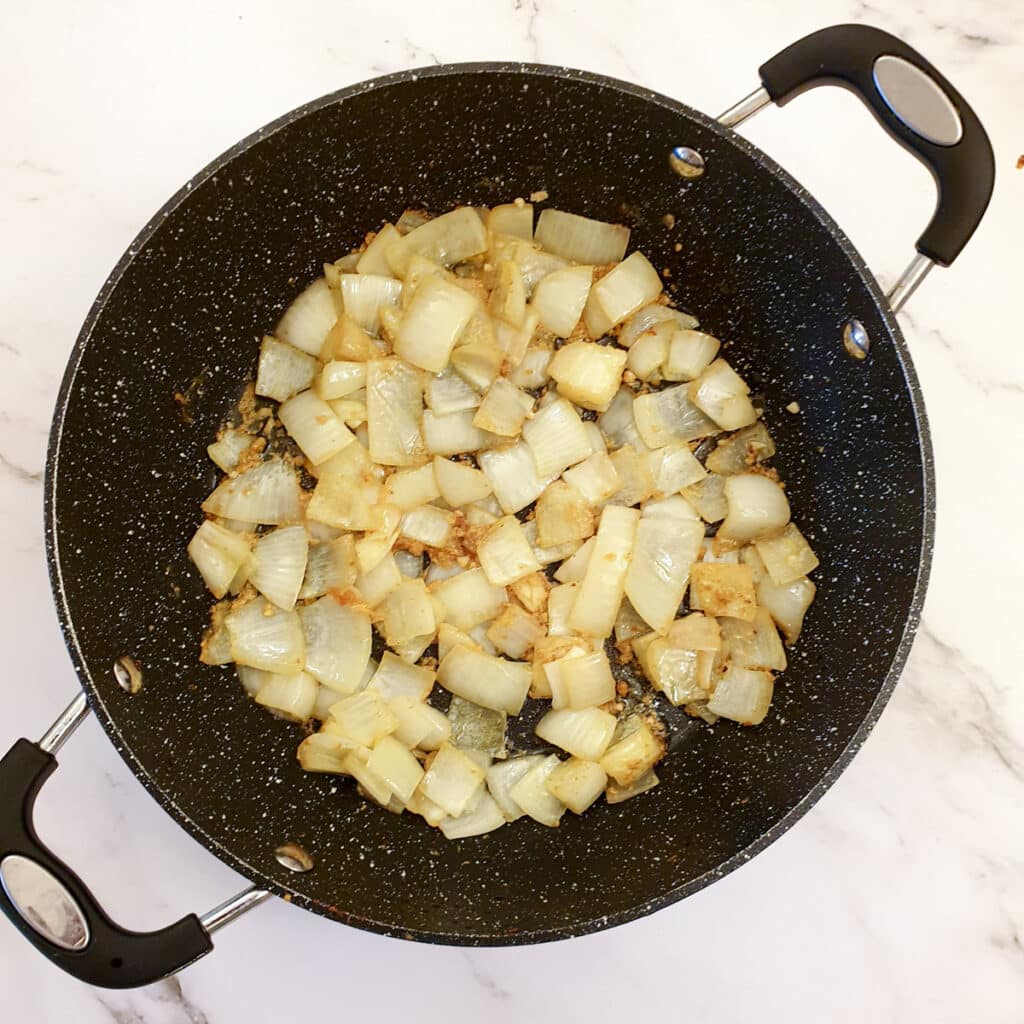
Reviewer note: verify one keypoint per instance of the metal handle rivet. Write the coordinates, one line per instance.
(128, 674)
(856, 340)
(686, 162)
(294, 858)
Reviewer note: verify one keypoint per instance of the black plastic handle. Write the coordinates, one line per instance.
(964, 172)
(113, 957)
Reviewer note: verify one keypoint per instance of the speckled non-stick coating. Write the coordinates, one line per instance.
(761, 264)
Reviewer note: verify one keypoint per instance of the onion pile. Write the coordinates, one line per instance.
(498, 457)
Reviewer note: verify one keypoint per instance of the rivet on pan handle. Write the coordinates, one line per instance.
(916, 105)
(52, 907)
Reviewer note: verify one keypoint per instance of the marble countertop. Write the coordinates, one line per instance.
(900, 896)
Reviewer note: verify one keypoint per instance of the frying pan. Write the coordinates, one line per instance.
(762, 264)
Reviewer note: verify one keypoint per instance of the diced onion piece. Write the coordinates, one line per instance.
(452, 434)
(364, 295)
(348, 341)
(534, 264)
(338, 641)
(557, 439)
(615, 794)
(436, 316)
(330, 565)
(577, 783)
(380, 539)
(674, 467)
(228, 449)
(392, 762)
(460, 484)
(742, 450)
(252, 679)
(484, 816)
(508, 294)
(754, 644)
(372, 259)
(669, 417)
(265, 637)
(283, 370)
(721, 589)
(322, 752)
(563, 516)
(419, 725)
(587, 681)
(370, 783)
(653, 319)
(313, 426)
(448, 239)
(786, 556)
(216, 644)
(514, 341)
(721, 393)
(560, 297)
(394, 407)
(695, 632)
(352, 410)
(514, 632)
(340, 378)
(678, 673)
(673, 507)
(707, 496)
(629, 625)
(758, 508)
(618, 424)
(514, 477)
(560, 602)
(573, 569)
(632, 757)
(602, 588)
(622, 291)
(428, 525)
(267, 494)
(532, 372)
(477, 362)
(448, 392)
(581, 239)
(376, 584)
(742, 695)
(469, 599)
(547, 555)
(363, 717)
(291, 696)
(503, 409)
(512, 220)
(346, 491)
(787, 604)
(408, 612)
(218, 554)
(636, 481)
(410, 488)
(308, 319)
(532, 591)
(648, 355)
(588, 374)
(533, 796)
(503, 775)
(452, 780)
(420, 270)
(595, 478)
(279, 565)
(485, 680)
(689, 354)
(426, 809)
(585, 733)
(449, 636)
(659, 568)
(477, 728)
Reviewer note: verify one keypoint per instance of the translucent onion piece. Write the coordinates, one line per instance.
(678, 673)
(448, 239)
(632, 757)
(588, 374)
(615, 794)
(585, 733)
(364, 718)
(636, 481)
(229, 447)
(556, 438)
(279, 565)
(477, 362)
(754, 644)
(787, 604)
(452, 780)
(484, 816)
(758, 508)
(659, 568)
(741, 451)
(532, 372)
(560, 297)
(533, 796)
(364, 295)
(722, 394)
(653, 318)
(629, 625)
(376, 584)
(252, 679)
(291, 696)
(603, 586)
(514, 477)
(485, 680)
(622, 291)
(477, 728)
(321, 752)
(460, 484)
(669, 417)
(437, 314)
(581, 239)
(707, 496)
(218, 554)
(503, 775)
(372, 260)
(508, 294)
(563, 516)
(313, 426)
(308, 319)
(534, 264)
(419, 725)
(394, 407)
(452, 434)
(469, 599)
(577, 783)
(428, 525)
(674, 467)
(648, 355)
(514, 632)
(721, 589)
(787, 556)
(348, 341)
(408, 612)
(512, 220)
(216, 645)
(742, 695)
(409, 565)
(339, 378)
(514, 341)
(346, 492)
(595, 478)
(283, 370)
(410, 488)
(695, 632)
(338, 641)
(689, 354)
(586, 681)
(267, 494)
(420, 270)
(371, 784)
(392, 762)
(448, 392)
(503, 409)
(532, 591)
(265, 637)
(618, 424)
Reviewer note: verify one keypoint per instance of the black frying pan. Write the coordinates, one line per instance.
(761, 263)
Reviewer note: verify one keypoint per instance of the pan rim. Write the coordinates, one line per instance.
(122, 743)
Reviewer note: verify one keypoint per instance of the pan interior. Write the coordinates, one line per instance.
(749, 253)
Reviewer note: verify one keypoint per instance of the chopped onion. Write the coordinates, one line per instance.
(508, 294)
(585, 733)
(371, 784)
(376, 584)
(560, 602)
(267, 494)
(218, 554)
(392, 762)
(503, 409)
(410, 488)
(707, 496)
(787, 556)
(308, 319)
(588, 374)
(448, 239)
(283, 370)
(636, 481)
(754, 644)
(460, 484)
(338, 640)
(721, 589)
(291, 696)
(595, 478)
(503, 775)
(689, 354)
(447, 392)
(352, 410)
(513, 220)
(573, 569)
(513, 475)
(452, 780)
(648, 355)
(669, 417)
(531, 793)
(279, 565)
(485, 680)
(560, 297)
(577, 783)
(449, 637)
(673, 507)
(581, 239)
(556, 438)
(394, 406)
(339, 378)
(680, 674)
(563, 516)
(722, 394)
(476, 728)
(632, 757)
(408, 613)
(428, 525)
(419, 725)
(229, 448)
(437, 314)
(740, 451)
(411, 650)
(757, 509)
(216, 644)
(348, 341)
(787, 604)
(346, 491)
(742, 695)
(655, 318)
(514, 341)
(615, 793)
(674, 467)
(452, 434)
(469, 599)
(532, 372)
(330, 565)
(659, 568)
(478, 363)
(534, 264)
(314, 427)
(586, 681)
(265, 637)
(695, 632)
(363, 717)
(604, 583)
(365, 295)
(322, 752)
(372, 260)
(618, 424)
(622, 291)
(514, 632)
(532, 591)
(484, 816)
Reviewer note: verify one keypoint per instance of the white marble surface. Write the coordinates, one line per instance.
(900, 897)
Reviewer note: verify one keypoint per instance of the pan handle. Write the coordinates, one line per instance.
(51, 906)
(915, 104)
